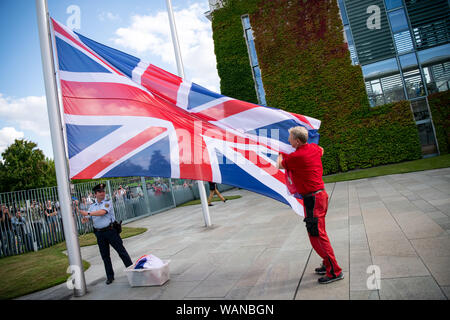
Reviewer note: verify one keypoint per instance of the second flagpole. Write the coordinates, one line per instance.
(176, 47)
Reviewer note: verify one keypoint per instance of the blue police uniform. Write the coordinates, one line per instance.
(101, 222)
(107, 235)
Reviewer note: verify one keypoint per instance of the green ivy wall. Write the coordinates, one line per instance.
(306, 69)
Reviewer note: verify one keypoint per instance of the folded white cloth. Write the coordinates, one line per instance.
(148, 261)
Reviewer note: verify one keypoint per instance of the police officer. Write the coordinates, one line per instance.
(102, 214)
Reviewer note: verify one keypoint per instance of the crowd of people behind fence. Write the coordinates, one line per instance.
(29, 227)
(30, 224)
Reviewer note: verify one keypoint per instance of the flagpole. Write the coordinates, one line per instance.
(62, 171)
(176, 47)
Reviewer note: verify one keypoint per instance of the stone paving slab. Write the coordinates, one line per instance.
(258, 248)
(410, 288)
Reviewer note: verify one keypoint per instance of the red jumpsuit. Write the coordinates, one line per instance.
(306, 169)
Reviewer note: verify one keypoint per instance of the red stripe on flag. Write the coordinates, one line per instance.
(111, 107)
(123, 107)
(193, 154)
(121, 151)
(161, 82)
(302, 119)
(225, 109)
(102, 90)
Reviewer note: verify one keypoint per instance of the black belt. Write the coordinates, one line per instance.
(103, 229)
(312, 193)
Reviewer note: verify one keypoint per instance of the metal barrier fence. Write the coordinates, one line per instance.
(31, 220)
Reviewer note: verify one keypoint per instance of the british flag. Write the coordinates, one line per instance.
(125, 117)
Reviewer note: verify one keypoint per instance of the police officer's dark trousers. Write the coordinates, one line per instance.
(111, 237)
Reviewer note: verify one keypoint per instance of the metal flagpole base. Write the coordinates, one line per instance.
(204, 200)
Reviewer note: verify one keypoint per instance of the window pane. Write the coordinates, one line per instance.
(426, 72)
(348, 35)
(246, 22)
(437, 77)
(408, 61)
(253, 59)
(420, 109)
(442, 85)
(392, 4)
(343, 12)
(379, 69)
(259, 86)
(434, 55)
(376, 100)
(251, 47)
(376, 87)
(414, 85)
(393, 88)
(398, 20)
(249, 33)
(351, 45)
(426, 137)
(353, 55)
(403, 41)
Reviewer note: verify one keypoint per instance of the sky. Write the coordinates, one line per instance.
(138, 27)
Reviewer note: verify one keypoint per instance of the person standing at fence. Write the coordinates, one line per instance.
(36, 219)
(7, 236)
(102, 214)
(50, 215)
(120, 193)
(21, 230)
(84, 205)
(213, 190)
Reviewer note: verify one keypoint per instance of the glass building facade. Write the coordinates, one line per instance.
(256, 71)
(403, 48)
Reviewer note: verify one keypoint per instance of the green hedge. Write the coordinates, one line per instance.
(306, 69)
(235, 73)
(440, 112)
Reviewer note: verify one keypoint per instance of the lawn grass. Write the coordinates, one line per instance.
(35, 271)
(403, 167)
(214, 199)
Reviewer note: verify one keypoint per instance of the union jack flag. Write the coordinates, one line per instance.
(125, 117)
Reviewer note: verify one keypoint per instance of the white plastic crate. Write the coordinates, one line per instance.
(148, 277)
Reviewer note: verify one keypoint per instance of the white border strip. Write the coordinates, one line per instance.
(210, 104)
(138, 71)
(99, 77)
(183, 94)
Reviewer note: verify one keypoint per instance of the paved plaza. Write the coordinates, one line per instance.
(396, 227)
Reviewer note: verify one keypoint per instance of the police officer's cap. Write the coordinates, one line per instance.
(99, 187)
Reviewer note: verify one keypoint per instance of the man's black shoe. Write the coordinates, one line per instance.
(322, 270)
(325, 280)
(210, 204)
(109, 281)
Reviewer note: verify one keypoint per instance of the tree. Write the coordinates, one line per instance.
(24, 166)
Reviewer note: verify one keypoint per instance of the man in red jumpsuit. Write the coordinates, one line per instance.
(305, 168)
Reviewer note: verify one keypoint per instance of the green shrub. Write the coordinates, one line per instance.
(440, 112)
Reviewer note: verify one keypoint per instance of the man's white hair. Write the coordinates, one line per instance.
(300, 133)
